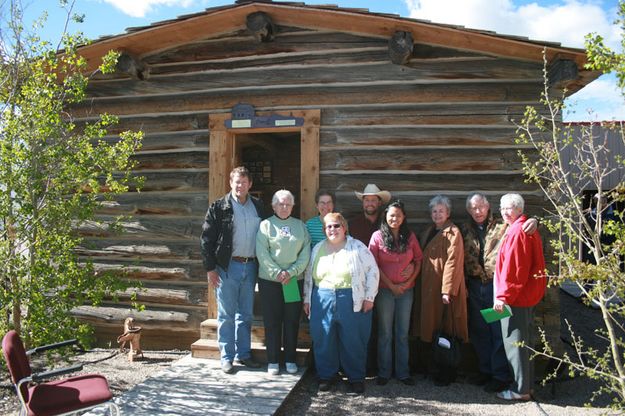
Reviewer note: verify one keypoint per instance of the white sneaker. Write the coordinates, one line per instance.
(291, 368)
(273, 369)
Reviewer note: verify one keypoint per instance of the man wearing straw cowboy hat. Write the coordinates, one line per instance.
(363, 226)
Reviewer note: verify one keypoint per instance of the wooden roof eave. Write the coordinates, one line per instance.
(227, 19)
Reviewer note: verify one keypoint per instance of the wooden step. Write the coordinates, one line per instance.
(209, 348)
(208, 330)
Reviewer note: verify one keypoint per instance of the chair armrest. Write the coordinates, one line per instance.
(52, 346)
(37, 377)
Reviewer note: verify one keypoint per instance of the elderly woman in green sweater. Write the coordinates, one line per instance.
(283, 251)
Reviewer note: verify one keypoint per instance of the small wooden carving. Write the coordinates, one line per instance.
(128, 64)
(132, 336)
(400, 47)
(261, 26)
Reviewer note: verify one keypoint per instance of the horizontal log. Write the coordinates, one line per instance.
(188, 159)
(172, 295)
(170, 140)
(166, 270)
(148, 319)
(487, 114)
(140, 250)
(417, 158)
(489, 69)
(242, 44)
(157, 203)
(144, 226)
(426, 181)
(338, 93)
(156, 123)
(417, 136)
(161, 328)
(174, 180)
(336, 56)
(157, 338)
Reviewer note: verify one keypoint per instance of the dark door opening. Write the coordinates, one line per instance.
(274, 161)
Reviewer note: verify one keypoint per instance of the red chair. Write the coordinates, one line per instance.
(57, 397)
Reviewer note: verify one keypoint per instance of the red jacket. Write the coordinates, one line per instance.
(520, 273)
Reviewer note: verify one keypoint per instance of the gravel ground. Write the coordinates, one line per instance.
(566, 397)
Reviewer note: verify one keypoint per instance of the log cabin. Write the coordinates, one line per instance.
(306, 97)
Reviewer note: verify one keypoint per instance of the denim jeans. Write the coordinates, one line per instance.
(393, 324)
(235, 301)
(486, 338)
(339, 334)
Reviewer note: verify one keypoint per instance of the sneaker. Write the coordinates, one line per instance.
(408, 381)
(511, 395)
(226, 367)
(247, 362)
(381, 381)
(291, 368)
(357, 387)
(496, 386)
(273, 369)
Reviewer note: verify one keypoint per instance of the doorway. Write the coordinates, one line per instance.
(226, 145)
(274, 162)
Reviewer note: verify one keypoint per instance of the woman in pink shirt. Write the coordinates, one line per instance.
(395, 249)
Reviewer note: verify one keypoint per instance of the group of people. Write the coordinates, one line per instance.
(348, 276)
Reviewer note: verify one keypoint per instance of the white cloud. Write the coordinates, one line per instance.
(565, 21)
(600, 100)
(140, 8)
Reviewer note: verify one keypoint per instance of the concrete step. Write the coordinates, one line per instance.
(209, 348)
(208, 330)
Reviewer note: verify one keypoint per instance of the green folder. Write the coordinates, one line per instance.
(291, 291)
(490, 315)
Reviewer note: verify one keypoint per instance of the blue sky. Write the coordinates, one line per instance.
(564, 21)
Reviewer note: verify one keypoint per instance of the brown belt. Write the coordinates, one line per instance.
(243, 259)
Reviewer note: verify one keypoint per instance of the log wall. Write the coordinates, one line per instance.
(442, 123)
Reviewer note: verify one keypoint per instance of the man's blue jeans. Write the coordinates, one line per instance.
(339, 334)
(486, 338)
(235, 302)
(393, 324)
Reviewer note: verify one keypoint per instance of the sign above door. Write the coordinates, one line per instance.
(244, 117)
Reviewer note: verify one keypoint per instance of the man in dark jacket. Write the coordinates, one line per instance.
(228, 246)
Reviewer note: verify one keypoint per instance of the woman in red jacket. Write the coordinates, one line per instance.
(520, 284)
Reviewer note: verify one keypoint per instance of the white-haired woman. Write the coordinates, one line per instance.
(519, 283)
(443, 291)
(283, 251)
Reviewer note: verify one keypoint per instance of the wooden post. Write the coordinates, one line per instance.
(309, 163)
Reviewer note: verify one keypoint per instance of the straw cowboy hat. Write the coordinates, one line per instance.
(372, 189)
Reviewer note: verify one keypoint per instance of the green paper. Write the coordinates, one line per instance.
(291, 291)
(490, 315)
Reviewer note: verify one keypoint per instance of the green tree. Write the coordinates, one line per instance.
(53, 174)
(576, 227)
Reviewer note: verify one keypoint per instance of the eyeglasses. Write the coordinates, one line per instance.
(330, 226)
(284, 205)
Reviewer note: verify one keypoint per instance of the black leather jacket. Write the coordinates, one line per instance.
(216, 240)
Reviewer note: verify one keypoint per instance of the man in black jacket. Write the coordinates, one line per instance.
(228, 246)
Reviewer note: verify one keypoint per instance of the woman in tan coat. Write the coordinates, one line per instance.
(442, 282)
